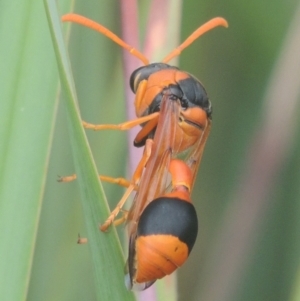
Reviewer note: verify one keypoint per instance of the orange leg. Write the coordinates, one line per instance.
(122, 219)
(67, 179)
(145, 131)
(119, 181)
(122, 126)
(82, 240)
(134, 182)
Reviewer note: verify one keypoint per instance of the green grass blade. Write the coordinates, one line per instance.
(105, 248)
(28, 105)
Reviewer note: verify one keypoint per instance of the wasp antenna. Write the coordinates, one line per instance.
(195, 35)
(103, 30)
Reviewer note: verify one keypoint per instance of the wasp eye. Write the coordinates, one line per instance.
(173, 97)
(184, 103)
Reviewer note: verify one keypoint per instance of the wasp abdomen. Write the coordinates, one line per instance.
(166, 234)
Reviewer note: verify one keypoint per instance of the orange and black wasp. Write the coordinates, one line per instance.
(174, 111)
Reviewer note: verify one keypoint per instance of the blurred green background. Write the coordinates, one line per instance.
(247, 191)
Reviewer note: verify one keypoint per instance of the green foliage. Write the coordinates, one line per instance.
(28, 80)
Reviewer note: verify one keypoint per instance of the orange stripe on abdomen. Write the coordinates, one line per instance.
(158, 256)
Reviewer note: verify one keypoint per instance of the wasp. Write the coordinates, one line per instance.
(175, 113)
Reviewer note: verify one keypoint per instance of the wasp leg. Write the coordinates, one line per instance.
(142, 135)
(122, 126)
(119, 181)
(67, 179)
(122, 219)
(134, 183)
(82, 240)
